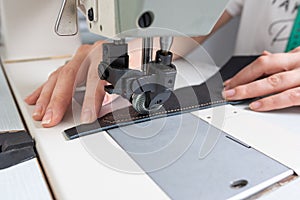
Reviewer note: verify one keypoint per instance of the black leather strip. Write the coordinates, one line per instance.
(15, 147)
(182, 100)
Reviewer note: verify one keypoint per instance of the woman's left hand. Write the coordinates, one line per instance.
(280, 83)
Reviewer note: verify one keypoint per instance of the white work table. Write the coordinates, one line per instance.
(18, 180)
(74, 173)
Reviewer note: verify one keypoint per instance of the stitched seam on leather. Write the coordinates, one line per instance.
(165, 112)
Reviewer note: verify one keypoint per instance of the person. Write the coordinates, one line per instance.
(266, 25)
(264, 30)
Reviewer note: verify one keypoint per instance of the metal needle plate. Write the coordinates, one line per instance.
(168, 149)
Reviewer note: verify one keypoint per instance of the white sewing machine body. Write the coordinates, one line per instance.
(134, 18)
(32, 50)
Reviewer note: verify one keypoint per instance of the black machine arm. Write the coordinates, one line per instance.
(147, 90)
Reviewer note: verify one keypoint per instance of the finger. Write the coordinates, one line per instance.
(227, 82)
(94, 56)
(265, 53)
(94, 96)
(264, 65)
(270, 85)
(63, 91)
(92, 102)
(295, 50)
(61, 95)
(33, 97)
(80, 63)
(135, 61)
(45, 96)
(284, 99)
(109, 98)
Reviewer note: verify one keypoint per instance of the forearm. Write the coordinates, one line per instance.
(183, 45)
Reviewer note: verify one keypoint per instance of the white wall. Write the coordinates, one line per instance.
(27, 29)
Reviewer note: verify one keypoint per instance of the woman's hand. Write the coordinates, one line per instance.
(280, 81)
(52, 99)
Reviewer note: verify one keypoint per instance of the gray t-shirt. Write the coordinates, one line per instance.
(264, 25)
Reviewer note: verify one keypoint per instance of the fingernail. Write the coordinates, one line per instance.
(86, 116)
(27, 99)
(228, 93)
(255, 105)
(47, 117)
(37, 110)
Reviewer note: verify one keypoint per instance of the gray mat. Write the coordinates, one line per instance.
(170, 154)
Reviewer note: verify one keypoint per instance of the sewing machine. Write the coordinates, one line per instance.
(260, 155)
(147, 89)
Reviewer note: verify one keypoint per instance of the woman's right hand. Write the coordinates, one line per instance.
(53, 98)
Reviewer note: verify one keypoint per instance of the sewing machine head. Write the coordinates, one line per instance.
(116, 17)
(149, 88)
